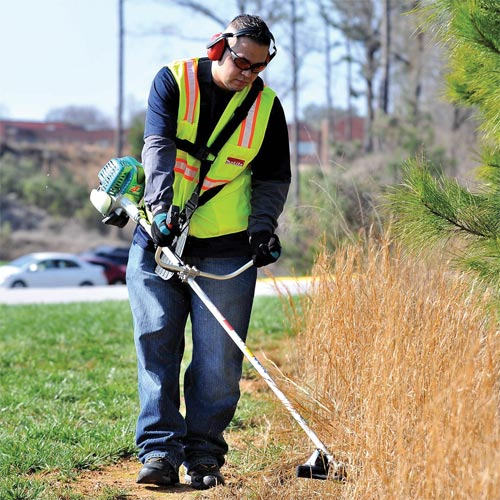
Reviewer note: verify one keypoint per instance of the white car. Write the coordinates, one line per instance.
(49, 269)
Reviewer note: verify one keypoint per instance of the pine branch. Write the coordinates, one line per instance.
(427, 210)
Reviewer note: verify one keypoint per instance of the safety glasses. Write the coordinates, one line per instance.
(245, 64)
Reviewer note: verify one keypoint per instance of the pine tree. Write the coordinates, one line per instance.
(429, 209)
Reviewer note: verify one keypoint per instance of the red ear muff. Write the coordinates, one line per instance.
(216, 47)
(217, 44)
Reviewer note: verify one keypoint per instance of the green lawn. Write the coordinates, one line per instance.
(68, 397)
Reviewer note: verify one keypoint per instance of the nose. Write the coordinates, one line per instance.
(248, 75)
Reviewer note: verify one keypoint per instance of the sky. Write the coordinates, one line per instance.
(58, 53)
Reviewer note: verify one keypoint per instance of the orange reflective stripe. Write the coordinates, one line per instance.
(248, 126)
(191, 89)
(187, 171)
(210, 183)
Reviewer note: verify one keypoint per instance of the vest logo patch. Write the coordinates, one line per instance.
(235, 161)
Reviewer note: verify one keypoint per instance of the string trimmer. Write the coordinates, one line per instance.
(121, 189)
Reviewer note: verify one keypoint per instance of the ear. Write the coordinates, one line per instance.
(216, 47)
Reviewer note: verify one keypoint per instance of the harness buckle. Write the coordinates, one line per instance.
(202, 153)
(191, 205)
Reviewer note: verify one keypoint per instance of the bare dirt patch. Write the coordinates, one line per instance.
(121, 477)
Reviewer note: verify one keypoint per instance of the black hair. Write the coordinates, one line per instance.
(258, 29)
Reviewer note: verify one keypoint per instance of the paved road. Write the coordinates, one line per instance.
(265, 287)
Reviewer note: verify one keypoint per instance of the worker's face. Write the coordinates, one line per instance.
(226, 73)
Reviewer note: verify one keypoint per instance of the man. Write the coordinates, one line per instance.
(245, 186)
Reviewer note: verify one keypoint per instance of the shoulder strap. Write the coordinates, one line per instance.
(238, 116)
(200, 151)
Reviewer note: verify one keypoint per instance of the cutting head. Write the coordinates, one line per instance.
(318, 465)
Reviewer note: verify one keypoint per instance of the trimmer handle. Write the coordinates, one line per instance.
(178, 266)
(187, 271)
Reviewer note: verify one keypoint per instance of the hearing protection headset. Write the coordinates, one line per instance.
(217, 44)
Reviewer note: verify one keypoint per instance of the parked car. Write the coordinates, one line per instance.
(115, 273)
(118, 255)
(50, 269)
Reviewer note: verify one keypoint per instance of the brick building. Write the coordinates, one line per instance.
(17, 132)
(311, 140)
(27, 132)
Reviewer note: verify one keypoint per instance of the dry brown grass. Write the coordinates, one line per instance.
(404, 363)
(396, 367)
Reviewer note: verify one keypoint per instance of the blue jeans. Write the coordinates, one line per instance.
(160, 311)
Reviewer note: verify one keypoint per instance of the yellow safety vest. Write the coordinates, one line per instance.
(228, 211)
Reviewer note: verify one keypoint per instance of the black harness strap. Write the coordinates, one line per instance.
(200, 151)
(238, 116)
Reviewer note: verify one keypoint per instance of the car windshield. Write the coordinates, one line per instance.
(22, 261)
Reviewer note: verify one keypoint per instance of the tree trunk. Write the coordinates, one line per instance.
(370, 111)
(328, 74)
(348, 122)
(119, 114)
(417, 89)
(295, 97)
(385, 57)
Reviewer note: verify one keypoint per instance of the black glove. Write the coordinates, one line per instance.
(114, 219)
(165, 227)
(265, 247)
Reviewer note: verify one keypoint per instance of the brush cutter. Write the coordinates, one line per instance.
(114, 195)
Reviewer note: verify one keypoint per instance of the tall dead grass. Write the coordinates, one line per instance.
(401, 361)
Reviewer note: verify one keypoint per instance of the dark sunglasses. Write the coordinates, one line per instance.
(245, 64)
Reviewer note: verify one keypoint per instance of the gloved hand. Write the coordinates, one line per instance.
(116, 219)
(265, 247)
(165, 226)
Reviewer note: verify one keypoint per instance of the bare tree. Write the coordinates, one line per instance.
(203, 8)
(359, 22)
(328, 74)
(410, 54)
(119, 112)
(329, 64)
(295, 97)
(385, 62)
(271, 11)
(350, 90)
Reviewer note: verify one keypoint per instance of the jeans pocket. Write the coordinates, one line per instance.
(142, 239)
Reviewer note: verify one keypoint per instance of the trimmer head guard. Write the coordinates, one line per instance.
(317, 467)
